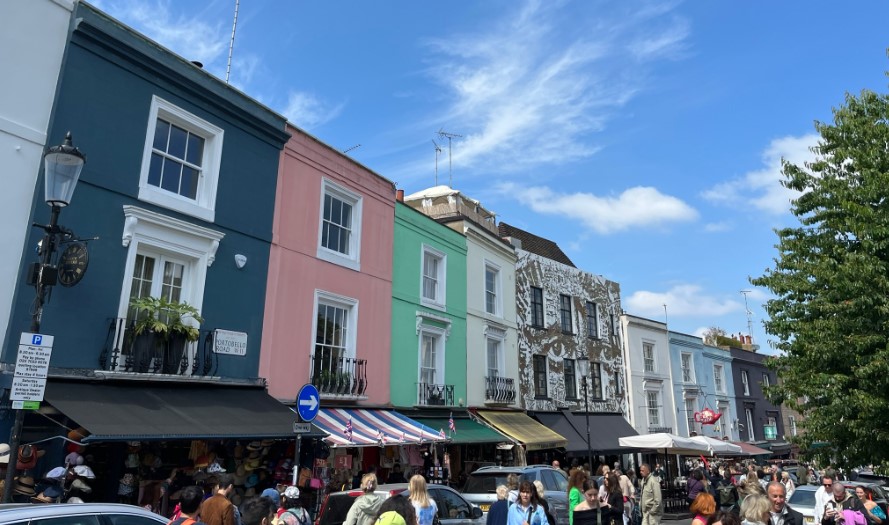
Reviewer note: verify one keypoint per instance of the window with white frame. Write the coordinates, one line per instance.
(570, 379)
(723, 419)
(166, 257)
(770, 430)
(335, 322)
(430, 353)
(565, 314)
(433, 279)
(592, 320)
(765, 380)
(492, 289)
(687, 369)
(745, 381)
(648, 356)
(495, 356)
(654, 409)
(180, 161)
(717, 379)
(792, 421)
(339, 228)
(751, 435)
(690, 408)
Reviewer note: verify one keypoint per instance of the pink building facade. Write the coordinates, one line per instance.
(329, 293)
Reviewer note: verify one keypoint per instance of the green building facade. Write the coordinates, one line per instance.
(428, 313)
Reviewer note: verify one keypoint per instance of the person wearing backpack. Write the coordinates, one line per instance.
(727, 496)
(294, 513)
(364, 509)
(189, 502)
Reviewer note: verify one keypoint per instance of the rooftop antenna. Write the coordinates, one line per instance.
(437, 153)
(356, 146)
(749, 313)
(444, 134)
(231, 44)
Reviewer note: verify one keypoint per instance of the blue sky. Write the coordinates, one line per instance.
(643, 137)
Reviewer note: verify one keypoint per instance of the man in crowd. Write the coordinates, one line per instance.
(189, 503)
(841, 500)
(218, 510)
(823, 494)
(258, 511)
(779, 512)
(650, 499)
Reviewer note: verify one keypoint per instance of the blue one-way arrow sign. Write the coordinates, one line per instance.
(308, 402)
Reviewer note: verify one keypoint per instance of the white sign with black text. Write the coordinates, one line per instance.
(31, 367)
(230, 343)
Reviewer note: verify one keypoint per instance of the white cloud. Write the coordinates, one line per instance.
(637, 207)
(531, 91)
(307, 111)
(717, 227)
(762, 188)
(683, 300)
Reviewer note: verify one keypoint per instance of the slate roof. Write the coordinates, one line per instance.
(536, 245)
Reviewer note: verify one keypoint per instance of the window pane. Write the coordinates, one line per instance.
(195, 153)
(346, 215)
(178, 138)
(161, 130)
(189, 182)
(154, 169)
(170, 178)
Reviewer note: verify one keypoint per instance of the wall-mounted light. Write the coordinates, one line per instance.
(240, 260)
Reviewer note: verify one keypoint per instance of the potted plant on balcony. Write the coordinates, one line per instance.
(344, 381)
(162, 330)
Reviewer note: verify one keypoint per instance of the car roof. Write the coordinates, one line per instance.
(9, 512)
(388, 488)
(494, 468)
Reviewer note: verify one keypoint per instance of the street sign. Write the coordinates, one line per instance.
(31, 366)
(308, 401)
(302, 428)
(26, 405)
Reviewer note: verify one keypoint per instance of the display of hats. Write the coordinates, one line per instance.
(53, 491)
(24, 485)
(291, 492)
(74, 459)
(27, 457)
(85, 472)
(252, 480)
(56, 473)
(267, 442)
(202, 461)
(81, 485)
(78, 434)
(215, 468)
(127, 485)
(254, 454)
(4, 453)
(254, 445)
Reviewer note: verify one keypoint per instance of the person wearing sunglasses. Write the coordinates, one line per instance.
(823, 494)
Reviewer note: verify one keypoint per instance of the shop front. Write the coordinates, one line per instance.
(604, 431)
(536, 442)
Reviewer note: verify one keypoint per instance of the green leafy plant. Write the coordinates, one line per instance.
(166, 318)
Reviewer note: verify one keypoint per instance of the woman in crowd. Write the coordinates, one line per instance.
(724, 517)
(424, 506)
(497, 514)
(755, 510)
(614, 503)
(526, 510)
(589, 511)
(294, 513)
(695, 484)
(512, 483)
(576, 482)
(399, 505)
(366, 506)
(789, 487)
(703, 508)
(875, 514)
(541, 497)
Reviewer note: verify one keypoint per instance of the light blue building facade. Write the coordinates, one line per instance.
(702, 379)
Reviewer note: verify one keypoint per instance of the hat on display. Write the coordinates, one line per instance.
(25, 486)
(74, 459)
(78, 434)
(85, 472)
(56, 473)
(4, 453)
(254, 445)
(252, 480)
(53, 491)
(202, 462)
(215, 468)
(127, 485)
(28, 455)
(75, 499)
(81, 485)
(267, 442)
(291, 492)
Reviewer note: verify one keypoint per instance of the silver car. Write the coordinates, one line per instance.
(803, 501)
(481, 486)
(77, 514)
(453, 509)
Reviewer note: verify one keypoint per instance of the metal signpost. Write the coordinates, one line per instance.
(308, 402)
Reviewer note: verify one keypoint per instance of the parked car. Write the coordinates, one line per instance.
(803, 501)
(879, 491)
(481, 486)
(453, 509)
(78, 514)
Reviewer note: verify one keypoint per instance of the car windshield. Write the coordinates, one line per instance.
(481, 483)
(803, 498)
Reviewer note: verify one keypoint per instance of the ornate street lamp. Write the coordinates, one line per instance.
(583, 366)
(62, 166)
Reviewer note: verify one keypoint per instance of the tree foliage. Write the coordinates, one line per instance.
(831, 282)
(712, 334)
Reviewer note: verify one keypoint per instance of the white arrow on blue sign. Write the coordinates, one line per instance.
(308, 401)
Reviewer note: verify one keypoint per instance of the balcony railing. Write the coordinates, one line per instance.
(435, 395)
(658, 430)
(336, 376)
(150, 353)
(500, 390)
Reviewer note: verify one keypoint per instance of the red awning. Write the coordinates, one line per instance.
(751, 450)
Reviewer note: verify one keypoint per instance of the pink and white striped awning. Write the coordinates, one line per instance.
(360, 427)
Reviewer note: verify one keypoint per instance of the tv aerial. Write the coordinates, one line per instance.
(437, 153)
(444, 134)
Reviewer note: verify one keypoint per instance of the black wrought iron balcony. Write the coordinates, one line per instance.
(435, 395)
(153, 353)
(336, 376)
(500, 390)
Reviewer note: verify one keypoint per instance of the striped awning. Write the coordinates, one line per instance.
(372, 427)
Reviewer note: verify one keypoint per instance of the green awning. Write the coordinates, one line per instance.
(468, 431)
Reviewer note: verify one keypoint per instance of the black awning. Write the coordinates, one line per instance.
(138, 411)
(605, 429)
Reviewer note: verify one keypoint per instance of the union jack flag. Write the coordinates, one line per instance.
(441, 434)
(451, 424)
(381, 438)
(348, 430)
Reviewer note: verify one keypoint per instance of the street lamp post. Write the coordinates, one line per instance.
(583, 364)
(62, 167)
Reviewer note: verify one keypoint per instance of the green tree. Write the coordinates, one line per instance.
(712, 335)
(831, 282)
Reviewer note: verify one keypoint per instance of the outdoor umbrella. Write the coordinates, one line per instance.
(666, 443)
(717, 446)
